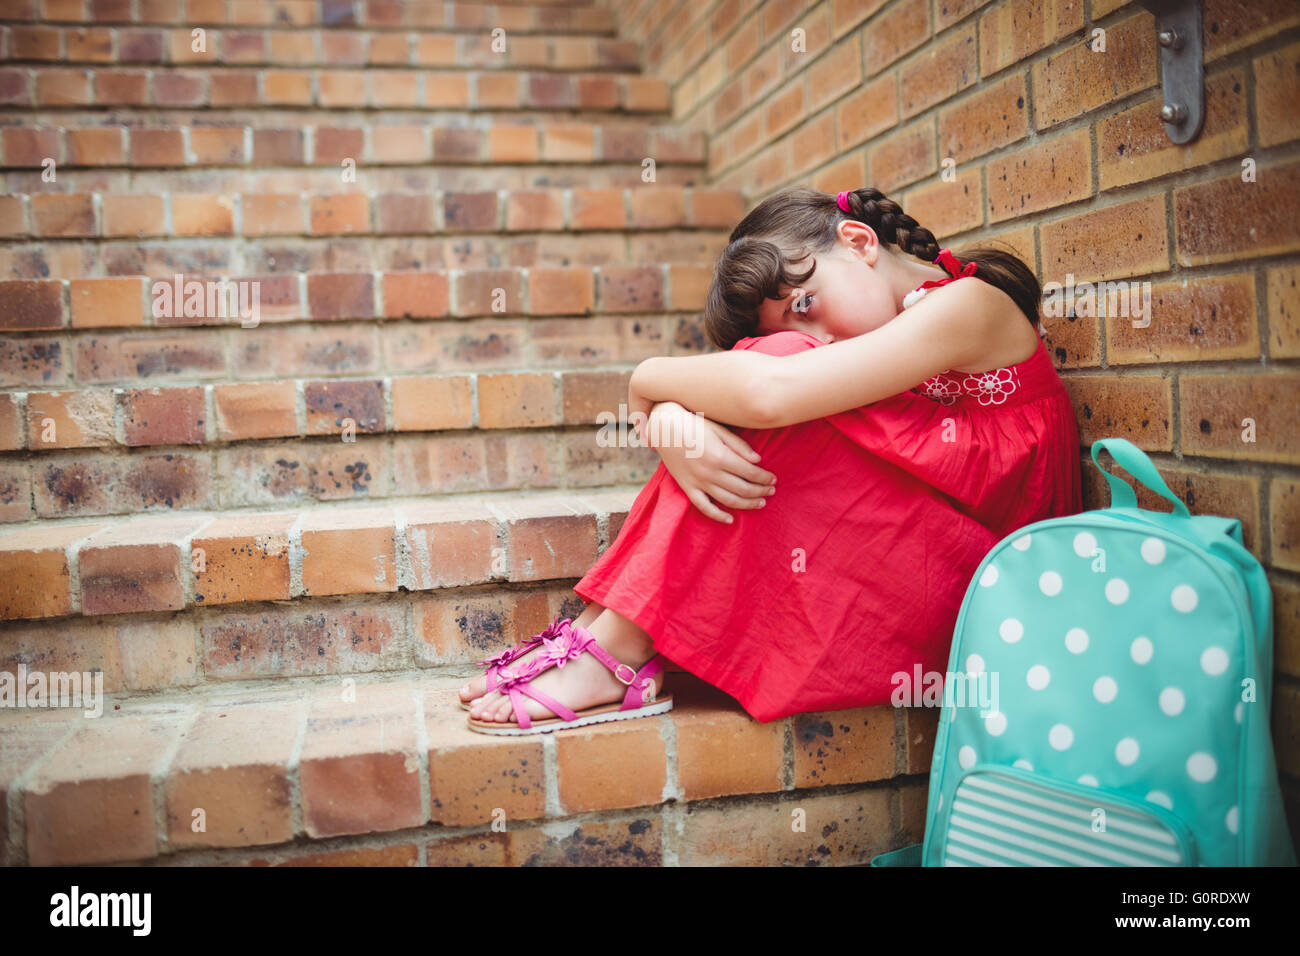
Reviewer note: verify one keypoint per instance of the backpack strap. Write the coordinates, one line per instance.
(1136, 463)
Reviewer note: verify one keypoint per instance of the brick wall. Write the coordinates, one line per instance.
(1057, 148)
(387, 475)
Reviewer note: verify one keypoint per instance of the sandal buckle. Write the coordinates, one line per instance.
(628, 668)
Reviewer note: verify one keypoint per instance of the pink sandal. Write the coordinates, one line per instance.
(494, 664)
(639, 701)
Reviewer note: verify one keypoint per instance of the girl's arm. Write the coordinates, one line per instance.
(950, 326)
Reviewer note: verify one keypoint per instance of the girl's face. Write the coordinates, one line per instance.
(858, 286)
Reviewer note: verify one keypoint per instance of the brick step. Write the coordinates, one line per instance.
(313, 142)
(272, 261)
(86, 482)
(213, 415)
(153, 358)
(269, 258)
(250, 88)
(324, 180)
(529, 47)
(361, 213)
(569, 16)
(385, 772)
(170, 562)
(253, 644)
(296, 118)
(88, 304)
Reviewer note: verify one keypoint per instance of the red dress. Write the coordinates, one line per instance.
(857, 566)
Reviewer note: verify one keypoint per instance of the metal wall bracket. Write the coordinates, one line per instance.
(1182, 73)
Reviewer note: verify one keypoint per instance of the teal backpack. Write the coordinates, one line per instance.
(1108, 696)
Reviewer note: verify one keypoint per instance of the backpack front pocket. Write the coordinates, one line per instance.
(1006, 816)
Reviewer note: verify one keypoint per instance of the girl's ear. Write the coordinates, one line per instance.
(861, 239)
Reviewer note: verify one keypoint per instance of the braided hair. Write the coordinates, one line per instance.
(795, 223)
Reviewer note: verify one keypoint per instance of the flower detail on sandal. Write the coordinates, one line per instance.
(556, 652)
(496, 662)
(505, 657)
(559, 651)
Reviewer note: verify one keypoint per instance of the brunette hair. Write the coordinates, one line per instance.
(797, 222)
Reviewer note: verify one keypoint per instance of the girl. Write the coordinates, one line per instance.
(914, 417)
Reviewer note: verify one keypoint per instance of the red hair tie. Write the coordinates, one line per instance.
(953, 265)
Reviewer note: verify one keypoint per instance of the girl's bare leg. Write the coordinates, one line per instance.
(583, 681)
(474, 688)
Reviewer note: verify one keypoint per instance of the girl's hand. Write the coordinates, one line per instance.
(708, 461)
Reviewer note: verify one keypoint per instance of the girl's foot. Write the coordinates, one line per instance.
(477, 687)
(583, 682)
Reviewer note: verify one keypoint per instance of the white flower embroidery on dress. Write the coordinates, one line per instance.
(992, 387)
(941, 388)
